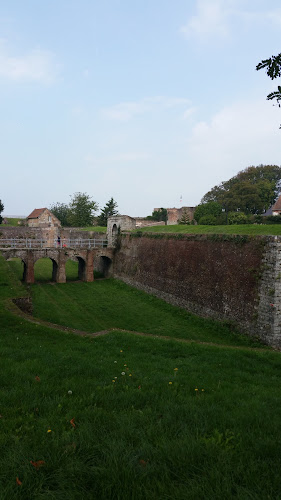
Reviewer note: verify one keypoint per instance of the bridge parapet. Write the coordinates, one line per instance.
(88, 243)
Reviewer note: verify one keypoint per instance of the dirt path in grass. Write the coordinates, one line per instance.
(13, 308)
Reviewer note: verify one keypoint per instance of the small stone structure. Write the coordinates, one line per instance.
(42, 217)
(121, 223)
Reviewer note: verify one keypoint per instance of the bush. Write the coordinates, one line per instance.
(237, 218)
(208, 220)
(211, 208)
(272, 219)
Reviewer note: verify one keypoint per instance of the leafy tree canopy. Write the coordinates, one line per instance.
(62, 212)
(159, 215)
(211, 208)
(251, 191)
(109, 210)
(273, 65)
(1, 210)
(79, 213)
(82, 210)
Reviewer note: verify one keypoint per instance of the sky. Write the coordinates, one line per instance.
(150, 102)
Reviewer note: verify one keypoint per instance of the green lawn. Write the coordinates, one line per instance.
(251, 229)
(97, 229)
(126, 417)
(12, 221)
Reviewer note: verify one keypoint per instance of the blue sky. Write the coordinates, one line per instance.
(145, 101)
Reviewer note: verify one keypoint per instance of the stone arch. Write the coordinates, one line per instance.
(105, 265)
(114, 233)
(81, 268)
(24, 271)
(55, 267)
(71, 269)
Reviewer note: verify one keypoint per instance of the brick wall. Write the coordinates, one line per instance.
(231, 280)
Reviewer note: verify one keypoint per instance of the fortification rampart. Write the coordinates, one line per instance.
(233, 278)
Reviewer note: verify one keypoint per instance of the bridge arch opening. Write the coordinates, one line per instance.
(45, 269)
(71, 270)
(114, 233)
(81, 269)
(18, 267)
(105, 266)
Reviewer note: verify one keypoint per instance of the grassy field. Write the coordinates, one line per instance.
(127, 417)
(251, 229)
(97, 229)
(12, 221)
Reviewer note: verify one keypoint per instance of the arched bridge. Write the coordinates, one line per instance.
(59, 257)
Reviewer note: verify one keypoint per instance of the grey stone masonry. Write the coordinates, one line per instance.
(269, 309)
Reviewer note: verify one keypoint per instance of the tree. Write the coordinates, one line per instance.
(252, 190)
(62, 212)
(212, 209)
(273, 65)
(109, 210)
(184, 217)
(159, 215)
(81, 210)
(1, 210)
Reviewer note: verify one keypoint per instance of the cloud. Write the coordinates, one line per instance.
(125, 111)
(243, 134)
(37, 66)
(211, 19)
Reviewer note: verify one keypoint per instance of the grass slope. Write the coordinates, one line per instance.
(251, 229)
(128, 417)
(110, 303)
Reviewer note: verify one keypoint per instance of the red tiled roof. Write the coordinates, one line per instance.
(277, 204)
(36, 213)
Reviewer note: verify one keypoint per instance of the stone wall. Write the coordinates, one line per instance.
(231, 278)
(48, 234)
(175, 214)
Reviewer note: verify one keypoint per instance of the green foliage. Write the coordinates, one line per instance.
(251, 191)
(273, 65)
(272, 219)
(207, 220)
(237, 218)
(82, 210)
(210, 208)
(79, 213)
(62, 212)
(1, 210)
(159, 215)
(109, 210)
(184, 218)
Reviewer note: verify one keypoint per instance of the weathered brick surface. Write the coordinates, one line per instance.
(222, 279)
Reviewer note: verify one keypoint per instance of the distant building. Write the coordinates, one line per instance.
(276, 208)
(175, 214)
(42, 217)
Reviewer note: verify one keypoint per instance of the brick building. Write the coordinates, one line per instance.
(42, 217)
